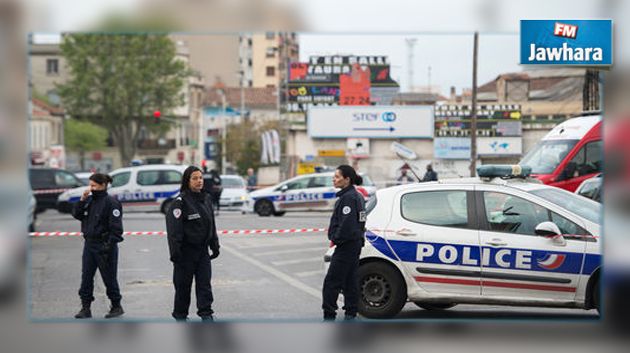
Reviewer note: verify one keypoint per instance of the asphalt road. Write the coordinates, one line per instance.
(257, 277)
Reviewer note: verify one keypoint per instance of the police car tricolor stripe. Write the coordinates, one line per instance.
(487, 257)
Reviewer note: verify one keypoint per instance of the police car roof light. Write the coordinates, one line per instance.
(503, 171)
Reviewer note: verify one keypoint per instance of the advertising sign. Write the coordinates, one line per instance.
(566, 42)
(370, 122)
(451, 148)
(501, 146)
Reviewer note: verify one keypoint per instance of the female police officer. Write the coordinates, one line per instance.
(191, 230)
(346, 231)
(101, 224)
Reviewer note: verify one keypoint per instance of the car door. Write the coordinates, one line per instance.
(293, 195)
(120, 182)
(517, 263)
(321, 193)
(153, 187)
(585, 164)
(433, 233)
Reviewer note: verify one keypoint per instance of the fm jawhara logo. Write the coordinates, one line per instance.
(566, 42)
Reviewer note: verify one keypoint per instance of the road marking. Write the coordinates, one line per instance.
(274, 241)
(276, 273)
(310, 273)
(322, 249)
(298, 261)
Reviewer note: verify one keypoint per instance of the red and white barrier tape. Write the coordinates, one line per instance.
(49, 191)
(162, 233)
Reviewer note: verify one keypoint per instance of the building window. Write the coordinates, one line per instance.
(249, 42)
(250, 63)
(270, 35)
(52, 66)
(271, 52)
(251, 83)
(271, 71)
(271, 86)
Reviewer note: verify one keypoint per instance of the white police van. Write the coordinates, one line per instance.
(309, 192)
(499, 239)
(139, 189)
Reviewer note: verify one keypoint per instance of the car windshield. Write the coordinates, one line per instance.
(547, 154)
(579, 205)
(232, 183)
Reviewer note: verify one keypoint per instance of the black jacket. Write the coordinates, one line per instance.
(430, 175)
(348, 220)
(190, 221)
(101, 218)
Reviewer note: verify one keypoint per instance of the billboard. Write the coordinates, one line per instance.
(451, 148)
(339, 80)
(370, 122)
(499, 146)
(493, 120)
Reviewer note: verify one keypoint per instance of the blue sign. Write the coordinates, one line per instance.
(210, 150)
(451, 148)
(566, 42)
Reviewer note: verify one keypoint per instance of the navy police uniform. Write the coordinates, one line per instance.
(191, 231)
(101, 223)
(346, 231)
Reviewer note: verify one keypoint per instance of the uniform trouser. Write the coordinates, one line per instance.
(94, 258)
(342, 276)
(195, 263)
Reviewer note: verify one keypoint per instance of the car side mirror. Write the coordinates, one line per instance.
(551, 230)
(284, 188)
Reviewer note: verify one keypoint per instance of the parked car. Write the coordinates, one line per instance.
(234, 192)
(489, 240)
(591, 188)
(84, 177)
(139, 189)
(569, 154)
(48, 183)
(310, 192)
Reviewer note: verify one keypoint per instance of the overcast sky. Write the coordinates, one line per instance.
(443, 30)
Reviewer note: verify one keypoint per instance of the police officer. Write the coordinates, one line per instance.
(101, 224)
(346, 231)
(191, 230)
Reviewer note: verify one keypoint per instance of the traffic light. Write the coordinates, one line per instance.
(156, 116)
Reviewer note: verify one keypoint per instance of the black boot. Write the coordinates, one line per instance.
(208, 318)
(116, 310)
(85, 312)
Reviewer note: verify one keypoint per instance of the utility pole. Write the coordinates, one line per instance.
(473, 115)
(411, 42)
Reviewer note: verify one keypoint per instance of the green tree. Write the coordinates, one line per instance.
(116, 81)
(82, 136)
(243, 147)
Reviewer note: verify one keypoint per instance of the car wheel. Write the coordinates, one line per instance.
(595, 296)
(264, 208)
(434, 306)
(279, 213)
(383, 291)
